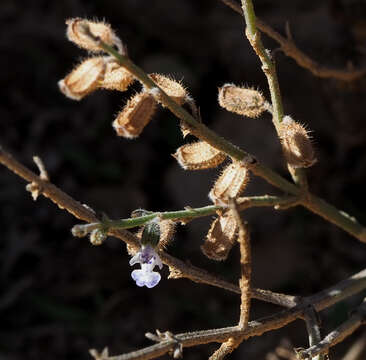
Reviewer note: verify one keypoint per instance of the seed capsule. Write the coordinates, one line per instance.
(75, 32)
(221, 237)
(135, 115)
(198, 155)
(171, 87)
(84, 79)
(296, 144)
(230, 184)
(242, 101)
(116, 77)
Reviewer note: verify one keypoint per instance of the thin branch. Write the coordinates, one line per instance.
(357, 319)
(226, 348)
(278, 202)
(313, 328)
(303, 60)
(320, 301)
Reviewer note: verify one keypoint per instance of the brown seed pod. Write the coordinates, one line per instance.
(220, 237)
(135, 115)
(116, 77)
(75, 32)
(230, 184)
(84, 79)
(199, 155)
(171, 87)
(242, 101)
(296, 144)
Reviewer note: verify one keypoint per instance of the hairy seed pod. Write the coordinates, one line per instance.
(242, 101)
(75, 32)
(171, 87)
(296, 144)
(116, 77)
(199, 155)
(230, 184)
(221, 237)
(167, 230)
(135, 115)
(84, 79)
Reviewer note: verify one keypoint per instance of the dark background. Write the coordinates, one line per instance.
(61, 296)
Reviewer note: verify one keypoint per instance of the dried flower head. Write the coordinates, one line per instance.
(75, 32)
(116, 77)
(242, 101)
(198, 155)
(230, 184)
(221, 237)
(84, 79)
(296, 144)
(171, 87)
(135, 115)
(97, 237)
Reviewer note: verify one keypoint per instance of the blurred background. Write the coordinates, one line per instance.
(60, 295)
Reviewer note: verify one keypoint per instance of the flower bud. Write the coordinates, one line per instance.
(171, 87)
(242, 101)
(199, 155)
(116, 77)
(221, 237)
(230, 184)
(76, 33)
(151, 233)
(135, 115)
(296, 144)
(84, 79)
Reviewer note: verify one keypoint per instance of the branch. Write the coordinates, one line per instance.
(320, 301)
(357, 319)
(278, 202)
(303, 60)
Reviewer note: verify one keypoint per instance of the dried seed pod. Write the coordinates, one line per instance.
(75, 32)
(221, 237)
(199, 155)
(230, 184)
(167, 230)
(242, 101)
(84, 79)
(116, 77)
(296, 144)
(135, 115)
(171, 87)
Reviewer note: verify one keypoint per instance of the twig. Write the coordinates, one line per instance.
(357, 319)
(303, 60)
(313, 327)
(320, 301)
(226, 348)
(278, 202)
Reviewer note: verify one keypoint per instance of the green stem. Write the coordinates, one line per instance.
(268, 65)
(187, 214)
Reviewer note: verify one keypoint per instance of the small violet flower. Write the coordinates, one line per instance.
(148, 258)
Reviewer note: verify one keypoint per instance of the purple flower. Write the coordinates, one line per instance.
(148, 259)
